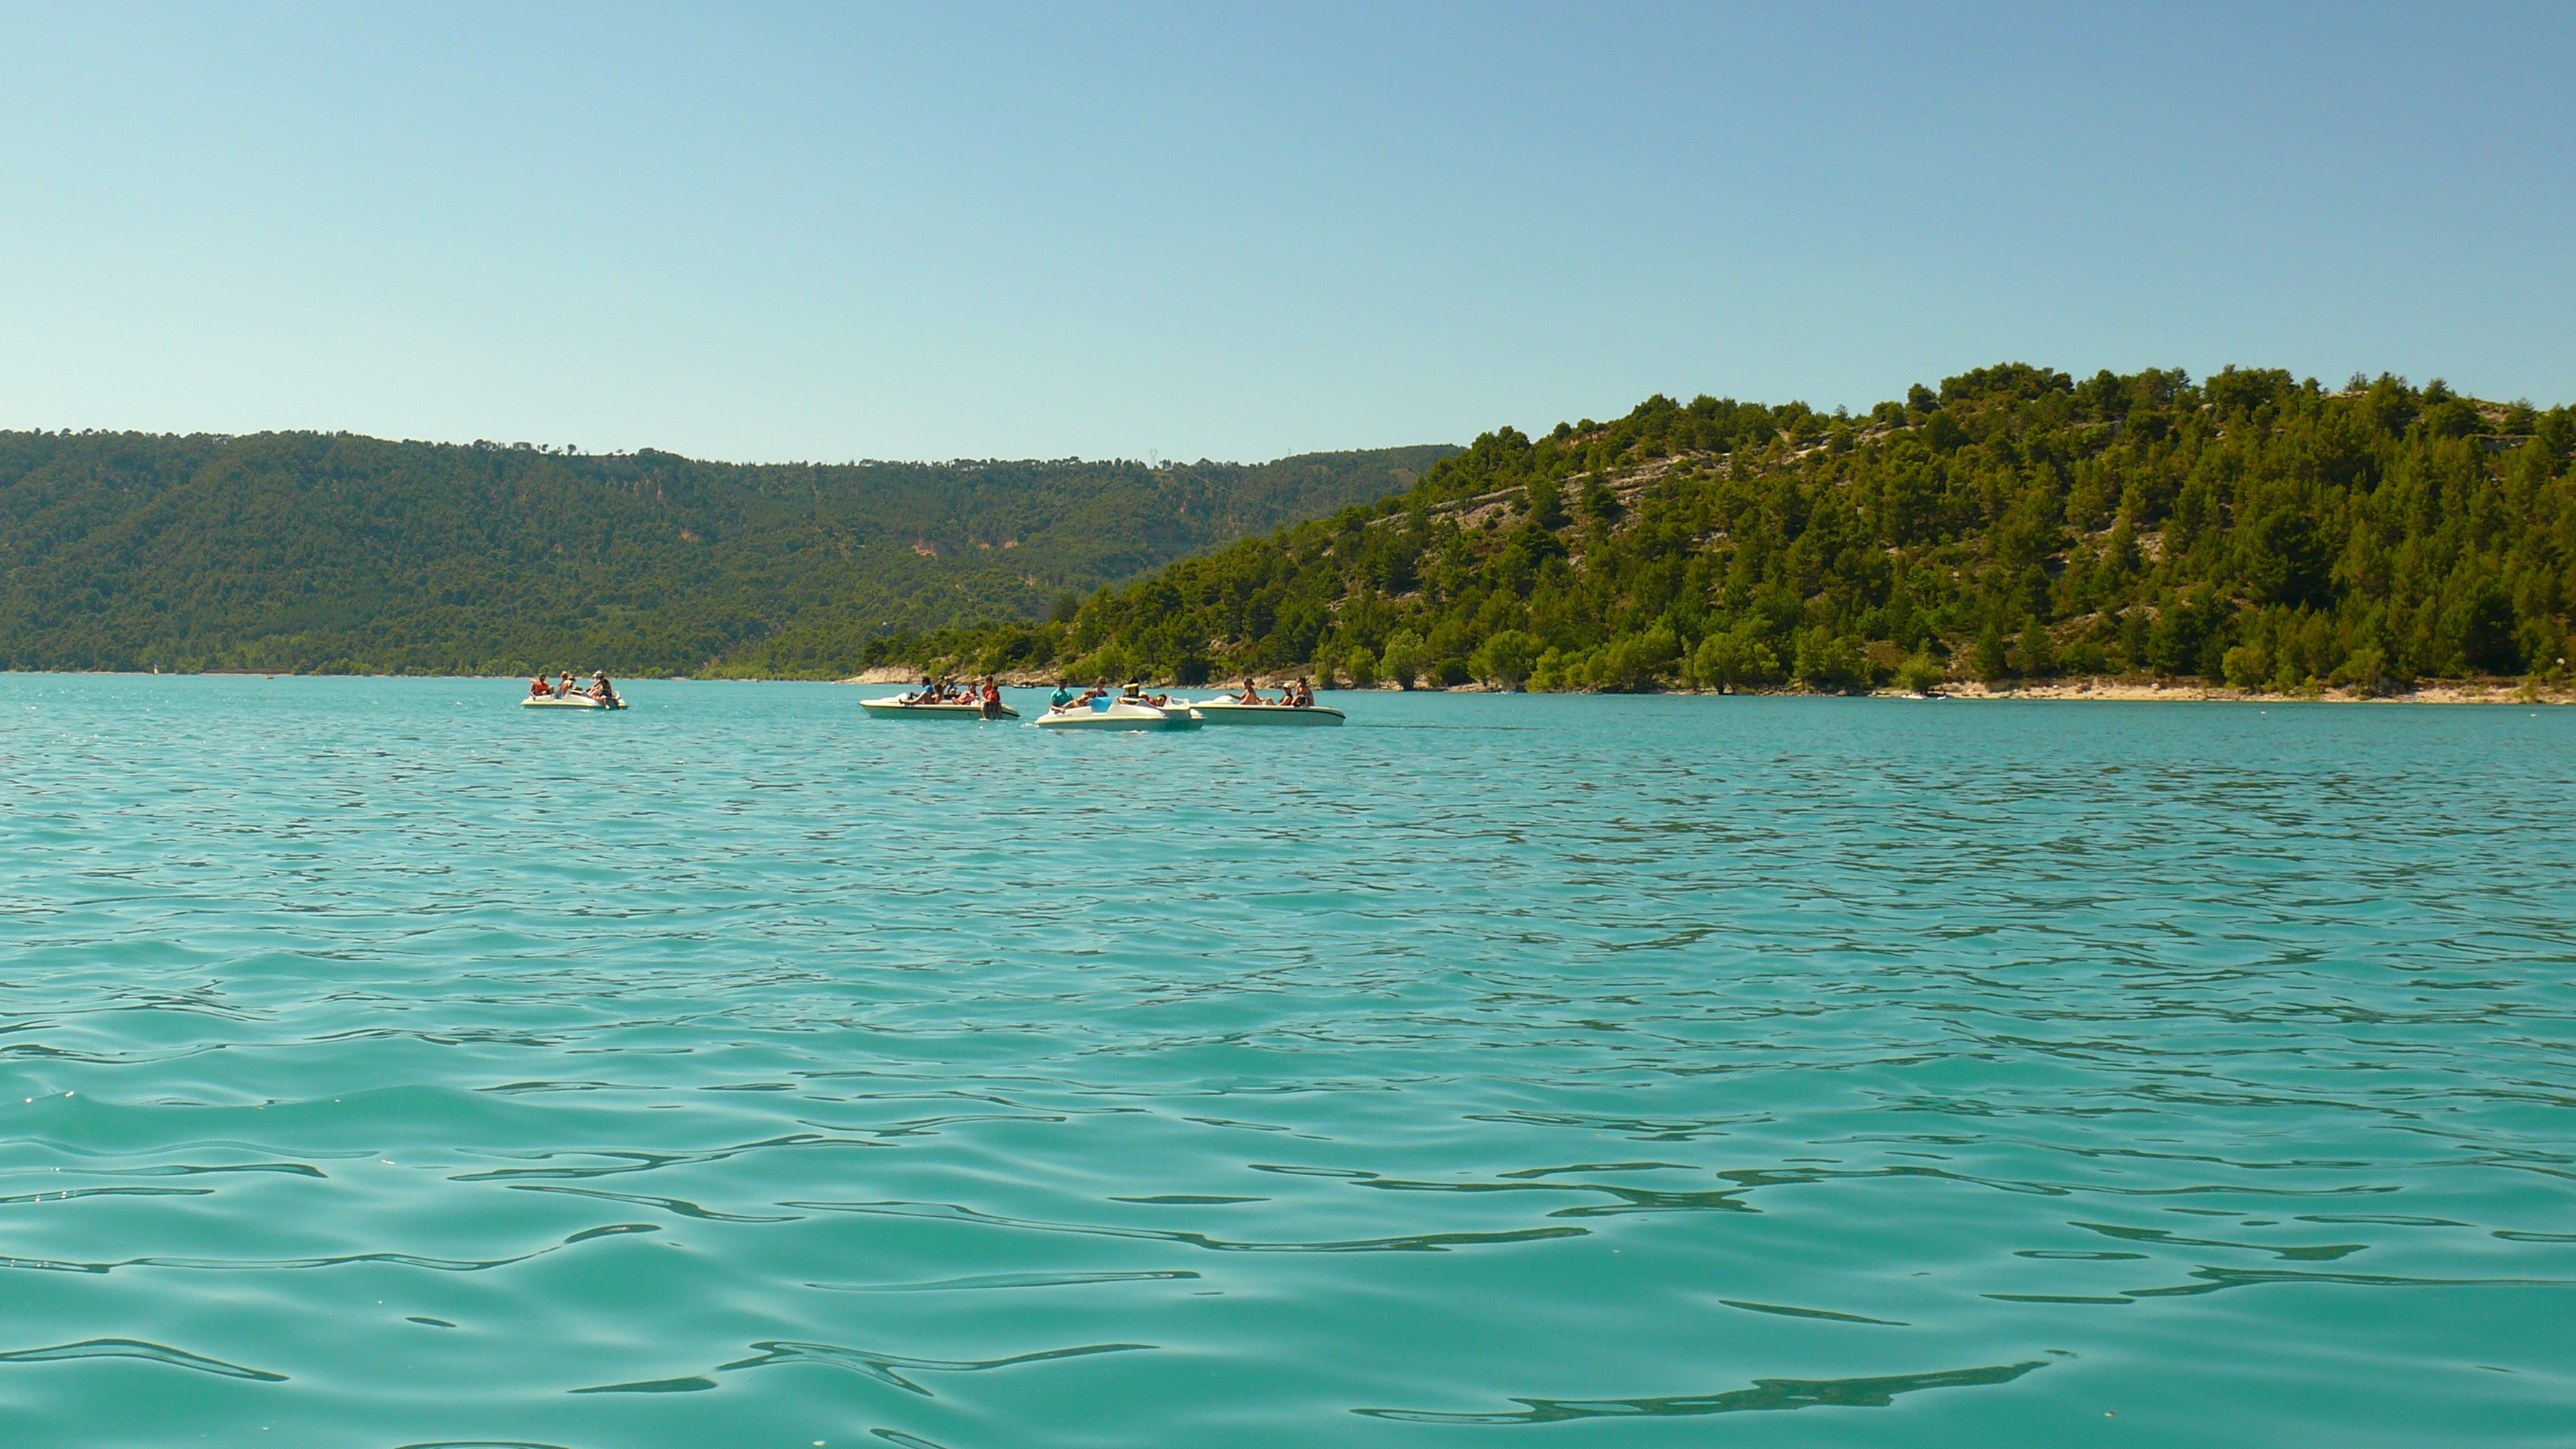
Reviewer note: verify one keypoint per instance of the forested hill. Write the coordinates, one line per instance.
(304, 551)
(2251, 528)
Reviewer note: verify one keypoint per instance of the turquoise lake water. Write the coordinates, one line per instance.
(387, 1066)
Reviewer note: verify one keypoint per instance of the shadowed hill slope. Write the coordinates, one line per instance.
(301, 551)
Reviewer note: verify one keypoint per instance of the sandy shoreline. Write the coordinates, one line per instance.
(2107, 689)
(2430, 692)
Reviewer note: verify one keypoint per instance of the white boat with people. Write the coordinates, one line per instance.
(1235, 712)
(563, 695)
(941, 699)
(1097, 709)
(898, 709)
(1294, 707)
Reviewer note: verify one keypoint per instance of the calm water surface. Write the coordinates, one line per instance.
(385, 1067)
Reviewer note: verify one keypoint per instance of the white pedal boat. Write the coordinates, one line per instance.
(569, 701)
(1236, 712)
(896, 709)
(1123, 714)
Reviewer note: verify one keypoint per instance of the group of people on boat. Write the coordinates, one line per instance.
(599, 689)
(985, 693)
(1299, 695)
(1102, 695)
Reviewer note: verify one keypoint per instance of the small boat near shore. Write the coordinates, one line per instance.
(896, 708)
(1124, 714)
(1236, 712)
(570, 701)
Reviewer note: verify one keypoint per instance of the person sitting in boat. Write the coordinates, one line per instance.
(539, 689)
(1251, 693)
(601, 689)
(992, 699)
(1303, 696)
(1062, 699)
(563, 686)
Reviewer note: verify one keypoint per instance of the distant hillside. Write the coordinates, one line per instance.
(315, 552)
(2250, 528)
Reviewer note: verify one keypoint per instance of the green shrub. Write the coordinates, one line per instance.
(2038, 651)
(1405, 658)
(1989, 660)
(1559, 670)
(1507, 659)
(1109, 662)
(1636, 662)
(1829, 661)
(1734, 661)
(2366, 671)
(1921, 674)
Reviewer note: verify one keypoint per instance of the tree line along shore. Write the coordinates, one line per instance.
(2097, 687)
(2015, 530)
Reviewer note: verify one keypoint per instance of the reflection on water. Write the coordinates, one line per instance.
(386, 1068)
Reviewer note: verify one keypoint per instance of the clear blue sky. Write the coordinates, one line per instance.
(836, 231)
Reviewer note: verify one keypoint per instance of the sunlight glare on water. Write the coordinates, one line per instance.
(388, 1066)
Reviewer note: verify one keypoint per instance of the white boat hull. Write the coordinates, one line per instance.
(1234, 712)
(897, 709)
(1119, 716)
(570, 701)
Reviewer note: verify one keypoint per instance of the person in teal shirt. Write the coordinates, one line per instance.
(1063, 694)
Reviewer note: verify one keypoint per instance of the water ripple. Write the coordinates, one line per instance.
(136, 1348)
(1502, 1060)
(1765, 1396)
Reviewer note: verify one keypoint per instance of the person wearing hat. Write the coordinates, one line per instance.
(600, 689)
